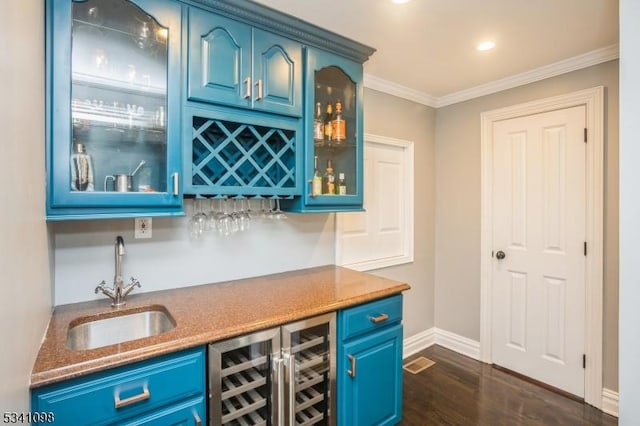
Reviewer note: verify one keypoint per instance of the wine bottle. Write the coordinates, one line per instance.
(341, 187)
(328, 129)
(316, 180)
(338, 125)
(329, 180)
(318, 126)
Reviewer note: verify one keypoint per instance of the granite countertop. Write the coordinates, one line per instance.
(206, 313)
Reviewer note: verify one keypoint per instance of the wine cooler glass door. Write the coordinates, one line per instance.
(243, 380)
(308, 348)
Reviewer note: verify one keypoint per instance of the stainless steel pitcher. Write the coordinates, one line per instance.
(121, 183)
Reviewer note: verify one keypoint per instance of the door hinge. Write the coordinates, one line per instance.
(585, 248)
(584, 361)
(585, 135)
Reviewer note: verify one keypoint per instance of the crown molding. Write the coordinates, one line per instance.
(395, 89)
(585, 60)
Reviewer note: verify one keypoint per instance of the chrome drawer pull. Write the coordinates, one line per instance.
(260, 90)
(247, 88)
(379, 318)
(352, 372)
(196, 417)
(132, 400)
(176, 184)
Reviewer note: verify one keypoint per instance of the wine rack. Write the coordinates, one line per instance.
(230, 158)
(280, 376)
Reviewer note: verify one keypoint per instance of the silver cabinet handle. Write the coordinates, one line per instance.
(176, 183)
(291, 365)
(260, 90)
(352, 372)
(380, 318)
(196, 417)
(278, 379)
(119, 403)
(247, 88)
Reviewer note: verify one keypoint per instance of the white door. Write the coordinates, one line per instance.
(539, 247)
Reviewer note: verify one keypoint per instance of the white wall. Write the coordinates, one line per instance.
(25, 304)
(84, 253)
(629, 212)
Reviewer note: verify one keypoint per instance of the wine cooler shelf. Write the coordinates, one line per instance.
(244, 387)
(245, 406)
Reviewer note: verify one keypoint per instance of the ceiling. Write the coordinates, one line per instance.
(429, 46)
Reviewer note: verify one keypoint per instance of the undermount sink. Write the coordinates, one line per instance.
(92, 333)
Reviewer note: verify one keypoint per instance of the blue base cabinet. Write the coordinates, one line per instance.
(165, 390)
(369, 363)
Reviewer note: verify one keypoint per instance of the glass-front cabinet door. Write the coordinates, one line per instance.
(113, 108)
(333, 134)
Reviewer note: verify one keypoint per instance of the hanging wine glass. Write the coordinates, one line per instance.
(243, 218)
(198, 222)
(277, 213)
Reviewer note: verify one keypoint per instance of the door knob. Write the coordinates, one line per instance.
(500, 255)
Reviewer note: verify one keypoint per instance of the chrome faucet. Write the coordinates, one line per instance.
(119, 291)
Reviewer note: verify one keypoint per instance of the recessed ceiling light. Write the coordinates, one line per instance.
(486, 45)
(400, 1)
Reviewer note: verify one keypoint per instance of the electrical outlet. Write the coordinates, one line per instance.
(142, 227)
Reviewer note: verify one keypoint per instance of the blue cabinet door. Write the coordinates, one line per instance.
(113, 91)
(331, 80)
(370, 379)
(219, 60)
(231, 63)
(277, 67)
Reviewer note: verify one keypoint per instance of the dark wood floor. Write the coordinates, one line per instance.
(461, 391)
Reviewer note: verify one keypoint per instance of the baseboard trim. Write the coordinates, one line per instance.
(414, 344)
(457, 343)
(446, 339)
(610, 402)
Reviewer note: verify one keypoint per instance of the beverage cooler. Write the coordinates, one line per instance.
(281, 376)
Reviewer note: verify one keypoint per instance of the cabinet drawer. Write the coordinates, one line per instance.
(114, 395)
(370, 316)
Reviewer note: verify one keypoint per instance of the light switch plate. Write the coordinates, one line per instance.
(142, 227)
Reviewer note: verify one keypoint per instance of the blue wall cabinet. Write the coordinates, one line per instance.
(113, 104)
(165, 390)
(333, 135)
(232, 63)
(370, 363)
